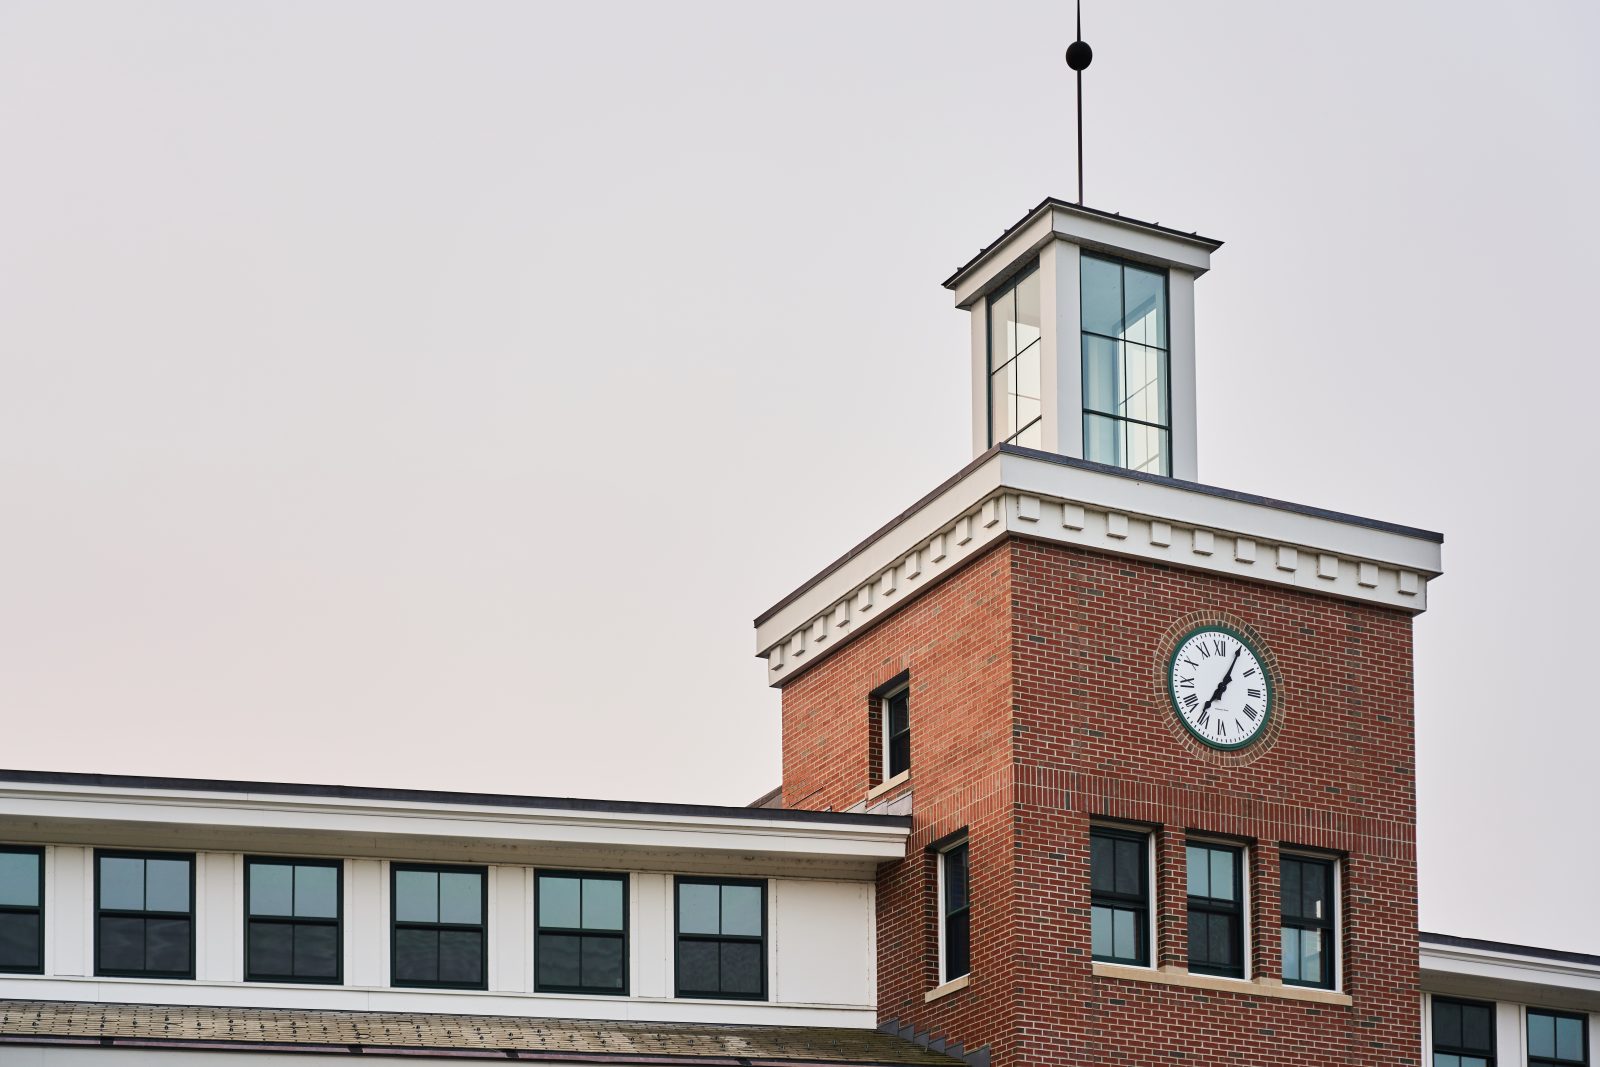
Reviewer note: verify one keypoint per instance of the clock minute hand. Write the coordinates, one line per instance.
(1226, 678)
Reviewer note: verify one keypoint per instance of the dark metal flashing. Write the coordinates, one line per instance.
(1099, 468)
(1554, 954)
(432, 796)
(1051, 202)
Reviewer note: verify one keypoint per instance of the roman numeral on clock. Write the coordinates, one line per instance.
(1248, 673)
(1190, 700)
(1185, 683)
(1222, 728)
(1251, 712)
(1253, 693)
(1221, 647)
(1205, 717)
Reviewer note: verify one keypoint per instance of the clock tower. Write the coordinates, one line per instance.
(1155, 735)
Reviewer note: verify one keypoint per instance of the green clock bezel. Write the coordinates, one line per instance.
(1266, 670)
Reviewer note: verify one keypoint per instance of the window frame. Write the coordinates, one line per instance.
(1240, 909)
(100, 912)
(1332, 954)
(1008, 286)
(624, 935)
(38, 909)
(337, 922)
(887, 771)
(1582, 1018)
(1488, 1056)
(678, 937)
(1123, 263)
(960, 842)
(1145, 910)
(395, 923)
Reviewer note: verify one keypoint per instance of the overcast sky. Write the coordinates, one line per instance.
(429, 394)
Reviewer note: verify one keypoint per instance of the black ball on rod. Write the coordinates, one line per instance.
(1079, 55)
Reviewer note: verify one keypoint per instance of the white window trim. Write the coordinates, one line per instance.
(1338, 912)
(1246, 930)
(1152, 890)
(883, 733)
(944, 850)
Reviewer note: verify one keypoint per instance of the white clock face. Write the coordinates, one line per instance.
(1220, 688)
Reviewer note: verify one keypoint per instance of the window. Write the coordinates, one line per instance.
(438, 937)
(1557, 1039)
(955, 907)
(21, 910)
(291, 912)
(1216, 909)
(897, 733)
(1463, 1033)
(144, 914)
(722, 943)
(1119, 885)
(1014, 379)
(582, 922)
(1124, 316)
(1309, 905)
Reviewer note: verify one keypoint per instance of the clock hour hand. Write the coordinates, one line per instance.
(1222, 686)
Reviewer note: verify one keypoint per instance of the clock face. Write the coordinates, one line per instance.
(1220, 688)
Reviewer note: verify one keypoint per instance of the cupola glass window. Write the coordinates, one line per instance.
(1014, 379)
(21, 910)
(1126, 417)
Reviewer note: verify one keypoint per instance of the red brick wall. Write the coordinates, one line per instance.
(1036, 707)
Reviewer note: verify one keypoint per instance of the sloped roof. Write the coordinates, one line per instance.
(495, 1036)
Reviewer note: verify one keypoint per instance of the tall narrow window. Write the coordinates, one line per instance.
(1014, 378)
(1463, 1033)
(21, 910)
(1216, 910)
(1557, 1039)
(438, 936)
(1308, 904)
(1125, 403)
(897, 733)
(583, 933)
(144, 914)
(955, 884)
(1119, 884)
(291, 912)
(722, 938)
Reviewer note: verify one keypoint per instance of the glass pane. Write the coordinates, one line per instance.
(1541, 1035)
(741, 968)
(1222, 953)
(741, 910)
(1003, 403)
(1100, 932)
(955, 879)
(1145, 313)
(1101, 286)
(698, 909)
(1474, 1061)
(416, 955)
(1146, 448)
(316, 951)
(1311, 956)
(602, 963)
(19, 879)
(1031, 436)
(461, 956)
(1222, 862)
(1569, 1039)
(1028, 319)
(602, 904)
(1144, 374)
(166, 885)
(558, 960)
(1028, 386)
(121, 884)
(271, 950)
(1130, 864)
(1102, 440)
(1102, 374)
(1124, 935)
(1447, 1023)
(1200, 939)
(1102, 864)
(416, 897)
(166, 945)
(460, 898)
(1002, 328)
(899, 754)
(1199, 871)
(1315, 895)
(316, 892)
(1291, 955)
(271, 890)
(1289, 888)
(1476, 1026)
(697, 966)
(1442, 1060)
(559, 902)
(899, 713)
(121, 944)
(19, 941)
(957, 945)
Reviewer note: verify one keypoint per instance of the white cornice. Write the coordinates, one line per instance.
(1028, 494)
(1476, 971)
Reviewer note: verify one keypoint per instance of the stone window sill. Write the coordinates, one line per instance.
(898, 780)
(952, 986)
(1255, 987)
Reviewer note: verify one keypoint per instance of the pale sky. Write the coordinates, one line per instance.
(429, 394)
